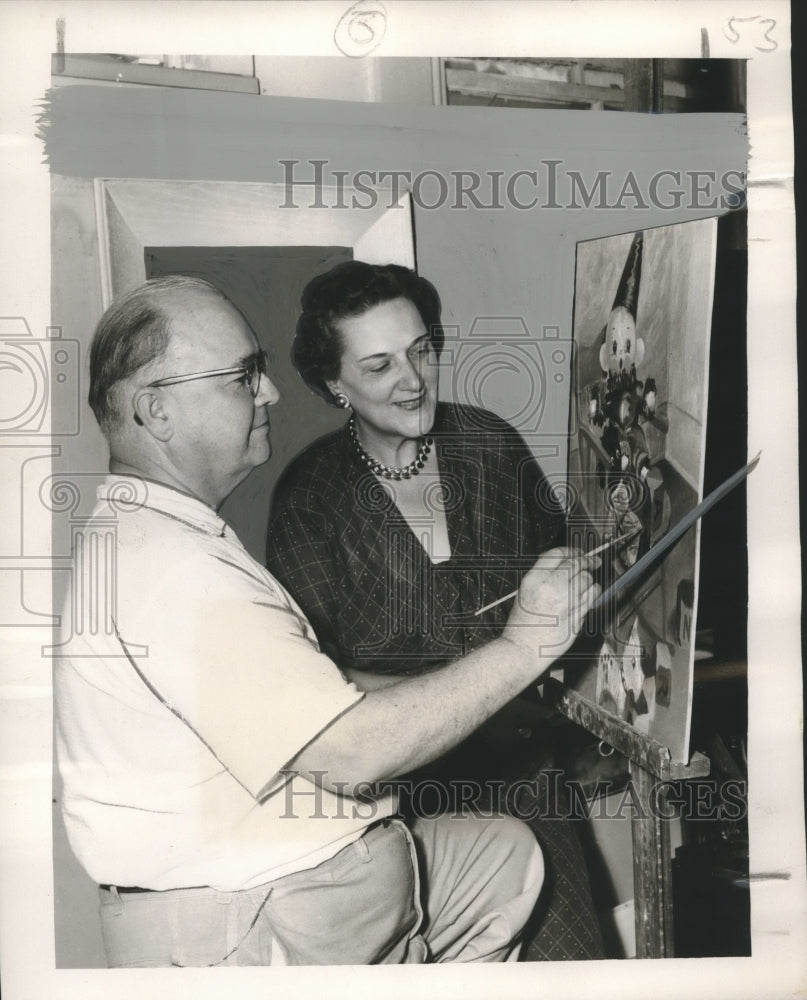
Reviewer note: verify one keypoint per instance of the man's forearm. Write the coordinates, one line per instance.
(367, 681)
(406, 724)
(398, 728)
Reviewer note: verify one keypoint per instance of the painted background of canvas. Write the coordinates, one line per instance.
(673, 317)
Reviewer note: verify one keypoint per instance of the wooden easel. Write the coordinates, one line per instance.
(650, 762)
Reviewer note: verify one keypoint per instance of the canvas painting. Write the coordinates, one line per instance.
(642, 318)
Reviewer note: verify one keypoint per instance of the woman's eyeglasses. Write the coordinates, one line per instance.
(252, 370)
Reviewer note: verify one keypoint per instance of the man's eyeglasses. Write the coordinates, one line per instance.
(252, 369)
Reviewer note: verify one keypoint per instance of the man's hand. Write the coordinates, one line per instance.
(552, 602)
(396, 729)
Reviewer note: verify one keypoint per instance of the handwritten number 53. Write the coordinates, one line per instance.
(737, 27)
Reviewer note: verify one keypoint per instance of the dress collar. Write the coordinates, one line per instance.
(125, 493)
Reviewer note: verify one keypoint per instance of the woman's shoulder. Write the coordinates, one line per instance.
(490, 438)
(315, 471)
(463, 418)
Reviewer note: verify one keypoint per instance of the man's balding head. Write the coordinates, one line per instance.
(178, 384)
(132, 334)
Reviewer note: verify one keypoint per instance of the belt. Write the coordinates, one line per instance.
(125, 889)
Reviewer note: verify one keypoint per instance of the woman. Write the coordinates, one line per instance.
(393, 531)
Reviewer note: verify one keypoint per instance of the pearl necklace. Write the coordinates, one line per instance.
(379, 469)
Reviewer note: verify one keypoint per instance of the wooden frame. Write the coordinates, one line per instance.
(133, 214)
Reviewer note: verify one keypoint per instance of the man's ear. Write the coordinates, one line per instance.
(150, 413)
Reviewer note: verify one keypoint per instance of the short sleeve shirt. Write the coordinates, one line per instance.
(189, 680)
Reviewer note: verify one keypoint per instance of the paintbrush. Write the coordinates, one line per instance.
(593, 552)
(652, 556)
(662, 546)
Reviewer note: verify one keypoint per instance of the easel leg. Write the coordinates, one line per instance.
(651, 868)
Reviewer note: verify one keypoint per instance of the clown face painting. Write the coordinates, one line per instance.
(642, 321)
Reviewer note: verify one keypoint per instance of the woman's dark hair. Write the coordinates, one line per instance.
(350, 289)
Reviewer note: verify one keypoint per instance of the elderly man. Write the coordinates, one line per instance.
(212, 756)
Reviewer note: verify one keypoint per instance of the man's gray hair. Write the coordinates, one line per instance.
(132, 333)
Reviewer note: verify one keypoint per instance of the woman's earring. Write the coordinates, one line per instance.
(341, 400)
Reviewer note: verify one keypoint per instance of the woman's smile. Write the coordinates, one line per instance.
(412, 404)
